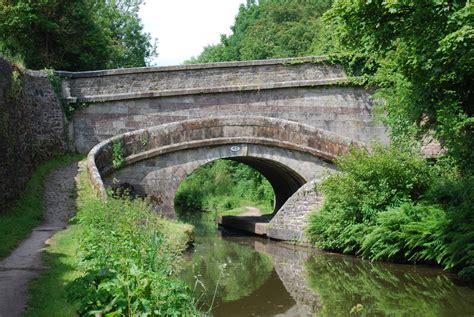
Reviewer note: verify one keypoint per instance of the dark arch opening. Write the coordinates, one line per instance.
(285, 182)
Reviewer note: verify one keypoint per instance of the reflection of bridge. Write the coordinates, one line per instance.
(289, 265)
(286, 118)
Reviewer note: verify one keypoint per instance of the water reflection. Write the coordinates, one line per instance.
(257, 277)
(384, 289)
(229, 266)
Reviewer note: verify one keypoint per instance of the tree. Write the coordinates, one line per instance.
(269, 29)
(421, 54)
(75, 34)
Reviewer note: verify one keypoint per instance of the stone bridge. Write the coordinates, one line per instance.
(287, 118)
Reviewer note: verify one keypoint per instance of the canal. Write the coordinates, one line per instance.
(235, 274)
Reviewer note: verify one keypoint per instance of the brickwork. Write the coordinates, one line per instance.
(289, 222)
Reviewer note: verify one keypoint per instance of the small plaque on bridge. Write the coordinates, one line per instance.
(235, 148)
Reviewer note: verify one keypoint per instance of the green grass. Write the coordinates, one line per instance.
(17, 222)
(111, 236)
(48, 296)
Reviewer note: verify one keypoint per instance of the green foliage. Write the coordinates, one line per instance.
(392, 205)
(414, 232)
(117, 154)
(16, 223)
(456, 196)
(373, 181)
(420, 56)
(16, 85)
(269, 29)
(223, 185)
(12, 58)
(128, 263)
(75, 35)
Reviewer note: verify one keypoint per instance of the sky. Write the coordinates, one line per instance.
(184, 27)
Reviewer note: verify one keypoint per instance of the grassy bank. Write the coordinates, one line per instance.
(17, 222)
(397, 206)
(116, 257)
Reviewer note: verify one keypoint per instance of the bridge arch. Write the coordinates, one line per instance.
(157, 159)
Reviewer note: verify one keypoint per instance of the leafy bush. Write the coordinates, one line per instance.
(456, 196)
(128, 263)
(117, 154)
(413, 232)
(372, 181)
(392, 205)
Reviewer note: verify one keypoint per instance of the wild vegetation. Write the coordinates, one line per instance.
(420, 57)
(74, 35)
(393, 205)
(224, 186)
(127, 262)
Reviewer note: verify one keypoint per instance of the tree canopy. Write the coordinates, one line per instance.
(269, 29)
(75, 34)
(421, 57)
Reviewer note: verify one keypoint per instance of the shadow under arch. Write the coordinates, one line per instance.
(284, 180)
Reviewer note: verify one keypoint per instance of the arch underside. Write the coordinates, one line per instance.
(284, 180)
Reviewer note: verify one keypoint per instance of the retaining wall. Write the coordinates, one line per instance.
(32, 128)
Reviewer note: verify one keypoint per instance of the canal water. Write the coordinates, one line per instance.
(235, 274)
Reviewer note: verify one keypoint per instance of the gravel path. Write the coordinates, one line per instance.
(24, 263)
(251, 211)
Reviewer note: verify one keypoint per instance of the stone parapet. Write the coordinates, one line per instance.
(146, 82)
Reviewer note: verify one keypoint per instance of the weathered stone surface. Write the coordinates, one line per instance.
(291, 89)
(121, 84)
(289, 263)
(32, 128)
(159, 177)
(287, 118)
(289, 222)
(288, 154)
